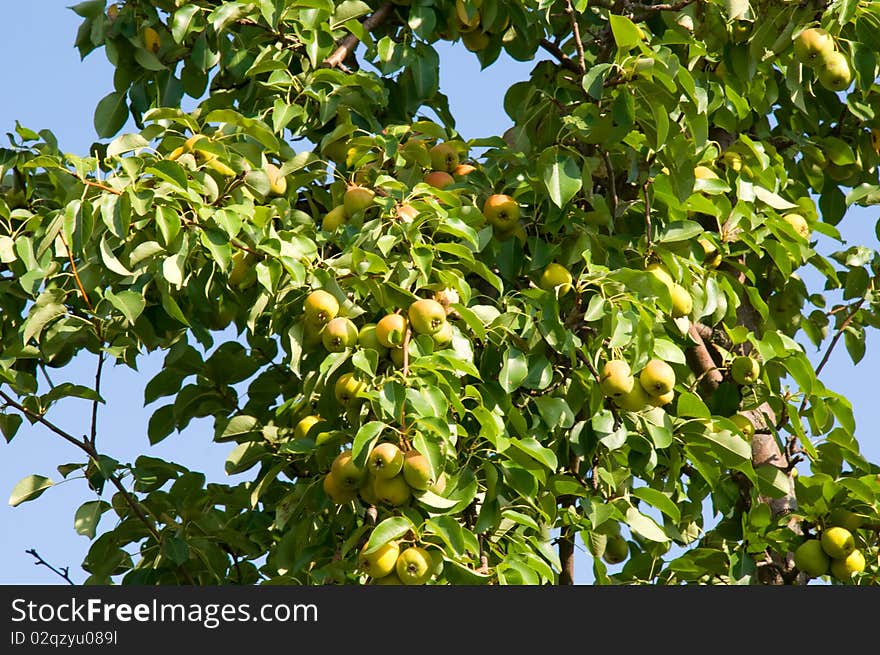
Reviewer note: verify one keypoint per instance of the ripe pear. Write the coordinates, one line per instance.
(151, 40)
(501, 211)
(380, 562)
(711, 254)
(656, 269)
(636, 400)
(444, 157)
(834, 72)
(320, 307)
(391, 578)
(556, 275)
(811, 559)
(305, 425)
(443, 336)
(340, 333)
(277, 182)
(682, 303)
(334, 218)
(799, 223)
(745, 370)
(346, 472)
(439, 179)
(616, 378)
(407, 213)
(336, 491)
(838, 542)
(744, 424)
(414, 566)
(426, 316)
(392, 491)
(417, 470)
(844, 569)
(391, 330)
(812, 44)
(463, 170)
(657, 378)
(385, 460)
(367, 339)
(662, 400)
(367, 489)
(357, 198)
(347, 388)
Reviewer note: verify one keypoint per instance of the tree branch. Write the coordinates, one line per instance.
(576, 35)
(93, 433)
(63, 572)
(564, 60)
(349, 43)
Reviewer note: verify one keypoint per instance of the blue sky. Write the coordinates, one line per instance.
(47, 86)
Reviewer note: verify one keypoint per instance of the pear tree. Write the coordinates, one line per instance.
(443, 360)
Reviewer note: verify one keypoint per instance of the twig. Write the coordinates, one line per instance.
(93, 433)
(855, 310)
(609, 169)
(86, 447)
(97, 185)
(79, 283)
(576, 34)
(350, 42)
(648, 228)
(63, 572)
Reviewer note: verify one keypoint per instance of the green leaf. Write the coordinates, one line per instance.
(110, 114)
(514, 370)
(364, 439)
(85, 521)
(690, 404)
(533, 448)
(626, 33)
(126, 143)
(555, 412)
(560, 174)
(659, 500)
(449, 530)
(40, 316)
(9, 424)
(645, 526)
(388, 530)
(130, 303)
(70, 390)
(29, 488)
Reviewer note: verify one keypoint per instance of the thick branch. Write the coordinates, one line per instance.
(349, 43)
(701, 362)
(563, 58)
(566, 539)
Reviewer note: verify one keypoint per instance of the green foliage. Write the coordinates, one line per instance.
(633, 142)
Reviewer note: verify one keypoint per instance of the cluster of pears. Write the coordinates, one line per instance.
(390, 564)
(816, 48)
(652, 388)
(833, 551)
(336, 333)
(389, 477)
(475, 35)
